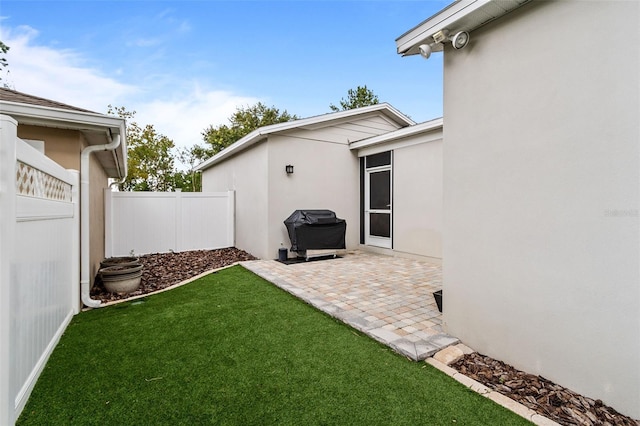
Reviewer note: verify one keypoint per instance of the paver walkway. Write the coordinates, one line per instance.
(387, 298)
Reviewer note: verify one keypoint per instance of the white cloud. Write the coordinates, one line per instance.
(183, 118)
(179, 111)
(59, 75)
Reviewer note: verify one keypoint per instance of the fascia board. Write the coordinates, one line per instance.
(327, 119)
(426, 127)
(65, 119)
(437, 22)
(46, 116)
(318, 120)
(409, 141)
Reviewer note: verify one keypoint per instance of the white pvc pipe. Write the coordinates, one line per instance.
(85, 266)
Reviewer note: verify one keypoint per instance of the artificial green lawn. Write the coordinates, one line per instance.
(231, 348)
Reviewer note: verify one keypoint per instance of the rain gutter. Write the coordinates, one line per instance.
(84, 217)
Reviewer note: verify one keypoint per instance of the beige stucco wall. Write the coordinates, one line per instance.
(61, 145)
(417, 199)
(326, 176)
(541, 195)
(64, 147)
(98, 181)
(246, 174)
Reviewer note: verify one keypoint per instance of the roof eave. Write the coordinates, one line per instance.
(37, 115)
(262, 133)
(236, 147)
(406, 132)
(462, 15)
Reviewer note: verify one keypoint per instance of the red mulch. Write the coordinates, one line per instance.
(162, 270)
(539, 394)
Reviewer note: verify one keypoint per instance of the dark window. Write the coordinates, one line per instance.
(377, 160)
(380, 190)
(380, 224)
(362, 177)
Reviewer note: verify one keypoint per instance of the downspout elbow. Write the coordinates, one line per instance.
(85, 289)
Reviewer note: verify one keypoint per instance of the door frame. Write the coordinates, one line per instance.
(374, 240)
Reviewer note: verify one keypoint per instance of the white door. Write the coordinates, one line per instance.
(378, 208)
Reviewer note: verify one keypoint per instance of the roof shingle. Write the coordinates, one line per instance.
(23, 98)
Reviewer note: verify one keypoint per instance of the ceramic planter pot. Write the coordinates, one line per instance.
(121, 279)
(120, 261)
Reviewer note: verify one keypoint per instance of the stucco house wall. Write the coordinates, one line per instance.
(247, 175)
(325, 177)
(326, 173)
(61, 145)
(417, 200)
(416, 188)
(541, 256)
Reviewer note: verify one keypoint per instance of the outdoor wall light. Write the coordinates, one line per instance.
(289, 169)
(425, 50)
(458, 41)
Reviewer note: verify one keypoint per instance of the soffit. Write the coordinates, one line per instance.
(98, 129)
(462, 15)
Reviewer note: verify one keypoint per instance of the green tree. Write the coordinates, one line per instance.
(356, 98)
(242, 122)
(190, 157)
(187, 181)
(3, 60)
(150, 161)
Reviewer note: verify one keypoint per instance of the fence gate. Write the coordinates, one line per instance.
(159, 222)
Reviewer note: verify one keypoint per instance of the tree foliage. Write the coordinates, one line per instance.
(242, 122)
(190, 157)
(3, 60)
(359, 97)
(150, 160)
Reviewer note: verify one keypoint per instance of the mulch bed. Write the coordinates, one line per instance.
(539, 394)
(162, 270)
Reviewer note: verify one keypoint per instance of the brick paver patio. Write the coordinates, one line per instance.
(388, 298)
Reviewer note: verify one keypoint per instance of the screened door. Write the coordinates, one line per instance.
(378, 204)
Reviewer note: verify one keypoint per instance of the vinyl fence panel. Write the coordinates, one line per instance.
(39, 264)
(159, 222)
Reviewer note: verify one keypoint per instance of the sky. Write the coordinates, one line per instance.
(186, 65)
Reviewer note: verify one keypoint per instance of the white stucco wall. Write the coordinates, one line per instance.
(326, 176)
(541, 195)
(246, 174)
(417, 199)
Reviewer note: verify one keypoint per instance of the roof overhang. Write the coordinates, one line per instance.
(98, 129)
(317, 121)
(462, 15)
(417, 133)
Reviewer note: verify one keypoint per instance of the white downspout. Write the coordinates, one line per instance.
(84, 219)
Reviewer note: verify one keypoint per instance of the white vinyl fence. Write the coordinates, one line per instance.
(159, 222)
(39, 264)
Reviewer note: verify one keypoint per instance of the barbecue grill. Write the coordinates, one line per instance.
(315, 230)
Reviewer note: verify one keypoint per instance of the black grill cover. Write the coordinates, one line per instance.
(315, 230)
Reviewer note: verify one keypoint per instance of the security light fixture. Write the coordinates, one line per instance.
(460, 40)
(289, 169)
(425, 50)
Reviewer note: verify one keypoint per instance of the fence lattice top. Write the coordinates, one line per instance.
(32, 182)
